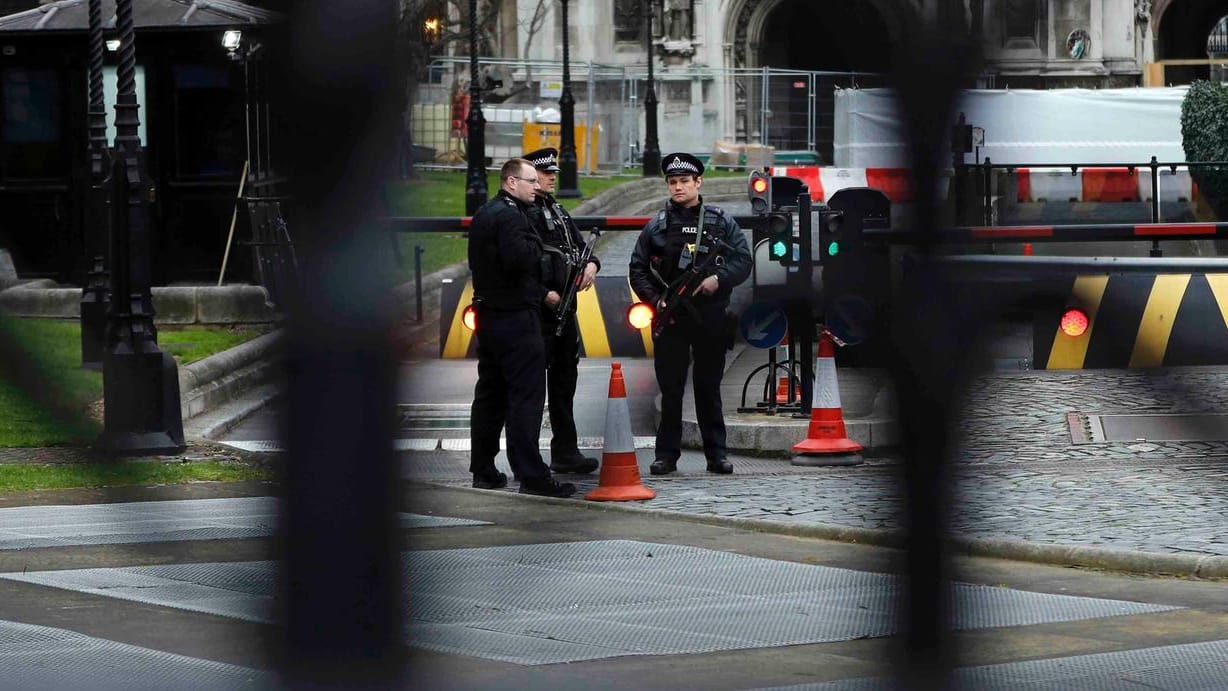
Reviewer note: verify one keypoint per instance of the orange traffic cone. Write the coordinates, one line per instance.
(620, 472)
(782, 392)
(1027, 249)
(826, 437)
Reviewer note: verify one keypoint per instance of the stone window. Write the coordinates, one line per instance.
(629, 21)
(1021, 20)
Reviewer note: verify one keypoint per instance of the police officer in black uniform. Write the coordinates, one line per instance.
(562, 243)
(682, 235)
(505, 259)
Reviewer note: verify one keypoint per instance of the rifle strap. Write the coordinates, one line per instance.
(555, 215)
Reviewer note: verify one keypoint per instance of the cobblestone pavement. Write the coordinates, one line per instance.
(1017, 475)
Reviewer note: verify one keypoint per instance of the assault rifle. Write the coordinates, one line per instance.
(678, 294)
(574, 278)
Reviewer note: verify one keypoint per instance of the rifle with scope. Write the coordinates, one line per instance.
(574, 278)
(678, 294)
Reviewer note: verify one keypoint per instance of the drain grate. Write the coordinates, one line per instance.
(1088, 428)
(565, 602)
(43, 658)
(28, 527)
(1192, 666)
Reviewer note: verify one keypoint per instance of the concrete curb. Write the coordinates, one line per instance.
(222, 377)
(214, 423)
(173, 305)
(1142, 563)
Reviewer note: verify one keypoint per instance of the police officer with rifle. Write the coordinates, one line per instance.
(505, 258)
(686, 262)
(568, 266)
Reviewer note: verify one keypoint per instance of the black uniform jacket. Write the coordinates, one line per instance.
(505, 255)
(552, 236)
(656, 249)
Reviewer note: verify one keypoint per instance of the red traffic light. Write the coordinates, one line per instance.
(1074, 322)
(640, 315)
(760, 192)
(470, 318)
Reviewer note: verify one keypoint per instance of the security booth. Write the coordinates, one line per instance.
(204, 123)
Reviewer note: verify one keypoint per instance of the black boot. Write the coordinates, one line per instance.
(491, 479)
(720, 466)
(663, 466)
(547, 487)
(575, 464)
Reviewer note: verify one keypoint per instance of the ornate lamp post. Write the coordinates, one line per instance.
(652, 150)
(475, 181)
(94, 297)
(140, 382)
(568, 183)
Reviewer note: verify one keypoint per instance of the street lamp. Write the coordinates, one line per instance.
(652, 150)
(568, 184)
(475, 178)
(94, 297)
(140, 383)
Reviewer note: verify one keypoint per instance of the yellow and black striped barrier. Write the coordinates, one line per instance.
(601, 312)
(1139, 320)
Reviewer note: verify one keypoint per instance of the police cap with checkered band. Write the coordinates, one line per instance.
(546, 159)
(681, 163)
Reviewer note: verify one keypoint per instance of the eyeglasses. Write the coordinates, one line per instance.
(531, 181)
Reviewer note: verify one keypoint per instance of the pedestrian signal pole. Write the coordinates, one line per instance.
(802, 314)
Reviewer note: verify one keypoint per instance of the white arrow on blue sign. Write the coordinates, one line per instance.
(763, 325)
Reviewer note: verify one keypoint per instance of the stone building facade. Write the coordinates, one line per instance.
(709, 55)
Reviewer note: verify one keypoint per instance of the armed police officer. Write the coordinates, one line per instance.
(687, 243)
(563, 245)
(505, 259)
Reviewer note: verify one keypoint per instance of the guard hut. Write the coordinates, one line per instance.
(204, 112)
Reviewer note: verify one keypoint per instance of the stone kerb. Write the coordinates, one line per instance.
(222, 377)
(177, 305)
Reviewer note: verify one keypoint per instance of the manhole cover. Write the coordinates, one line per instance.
(1091, 429)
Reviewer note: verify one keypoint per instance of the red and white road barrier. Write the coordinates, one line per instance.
(1102, 185)
(1032, 184)
(823, 182)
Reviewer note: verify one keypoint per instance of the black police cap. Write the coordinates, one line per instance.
(546, 159)
(681, 163)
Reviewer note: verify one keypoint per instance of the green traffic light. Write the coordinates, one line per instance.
(778, 249)
(833, 249)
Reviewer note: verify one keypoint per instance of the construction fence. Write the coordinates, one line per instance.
(739, 117)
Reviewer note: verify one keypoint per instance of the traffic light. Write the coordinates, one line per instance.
(760, 192)
(855, 278)
(831, 226)
(779, 225)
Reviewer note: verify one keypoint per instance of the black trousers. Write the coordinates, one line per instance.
(510, 392)
(562, 361)
(702, 338)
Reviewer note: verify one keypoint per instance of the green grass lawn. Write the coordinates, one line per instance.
(25, 477)
(54, 408)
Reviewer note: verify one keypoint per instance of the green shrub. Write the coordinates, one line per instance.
(1204, 135)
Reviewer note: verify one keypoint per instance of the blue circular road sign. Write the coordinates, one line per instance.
(763, 325)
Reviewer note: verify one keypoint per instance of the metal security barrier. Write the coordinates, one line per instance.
(601, 313)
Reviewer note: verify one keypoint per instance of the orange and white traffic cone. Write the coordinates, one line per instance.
(620, 471)
(1027, 249)
(826, 441)
(782, 392)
